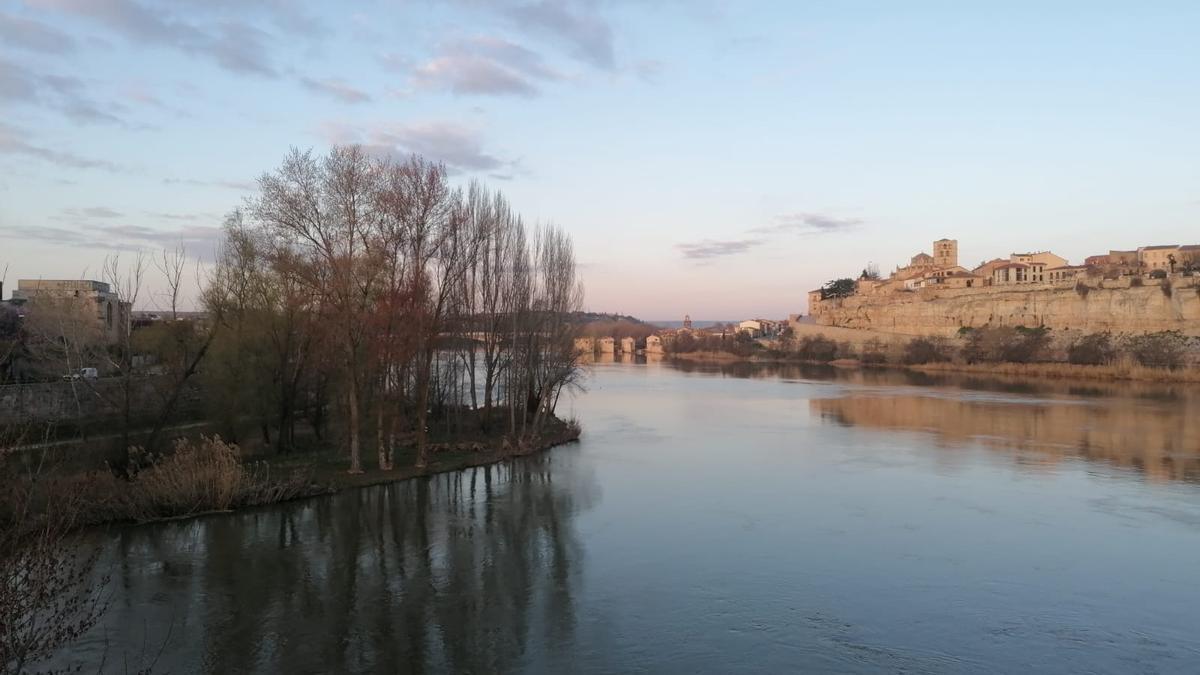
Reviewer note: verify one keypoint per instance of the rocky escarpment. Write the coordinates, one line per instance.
(1091, 306)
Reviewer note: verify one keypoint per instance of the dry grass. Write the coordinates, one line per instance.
(1116, 371)
(196, 477)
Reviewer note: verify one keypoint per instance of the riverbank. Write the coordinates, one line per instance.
(328, 470)
(206, 476)
(1057, 371)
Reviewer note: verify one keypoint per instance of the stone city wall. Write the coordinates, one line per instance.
(1115, 305)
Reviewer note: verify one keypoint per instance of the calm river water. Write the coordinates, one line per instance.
(722, 520)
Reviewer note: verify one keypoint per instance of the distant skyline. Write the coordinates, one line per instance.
(711, 158)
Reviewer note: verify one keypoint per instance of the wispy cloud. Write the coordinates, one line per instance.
(197, 240)
(708, 248)
(35, 36)
(578, 25)
(243, 185)
(487, 66)
(458, 147)
(90, 212)
(233, 45)
(14, 141)
(66, 94)
(808, 223)
(799, 223)
(336, 88)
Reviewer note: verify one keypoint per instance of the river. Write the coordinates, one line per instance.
(718, 519)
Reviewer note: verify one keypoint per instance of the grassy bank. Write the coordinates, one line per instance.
(1061, 371)
(208, 475)
(1130, 372)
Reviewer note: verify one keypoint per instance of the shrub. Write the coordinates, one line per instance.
(1082, 289)
(683, 343)
(1091, 350)
(1030, 344)
(817, 348)
(1158, 274)
(1135, 282)
(1159, 350)
(1166, 287)
(873, 351)
(1002, 343)
(924, 350)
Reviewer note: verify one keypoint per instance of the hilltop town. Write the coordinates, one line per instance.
(934, 294)
(942, 270)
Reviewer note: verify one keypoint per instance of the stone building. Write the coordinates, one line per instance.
(945, 253)
(92, 299)
(654, 344)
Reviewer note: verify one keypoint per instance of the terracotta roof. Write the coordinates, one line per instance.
(1159, 248)
(1011, 265)
(1190, 247)
(1068, 267)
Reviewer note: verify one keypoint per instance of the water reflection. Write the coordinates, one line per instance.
(755, 518)
(474, 571)
(1163, 442)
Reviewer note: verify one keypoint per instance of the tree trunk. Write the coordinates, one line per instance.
(352, 401)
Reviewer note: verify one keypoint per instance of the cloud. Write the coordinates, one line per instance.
(708, 248)
(91, 212)
(34, 35)
(336, 88)
(174, 216)
(234, 46)
(62, 237)
(15, 142)
(808, 223)
(802, 223)
(63, 93)
(242, 185)
(458, 147)
(487, 66)
(193, 237)
(650, 70)
(587, 34)
(197, 240)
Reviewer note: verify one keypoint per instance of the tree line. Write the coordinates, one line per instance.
(352, 294)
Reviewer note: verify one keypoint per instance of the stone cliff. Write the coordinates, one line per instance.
(1095, 306)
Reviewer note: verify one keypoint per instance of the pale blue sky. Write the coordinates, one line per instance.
(711, 158)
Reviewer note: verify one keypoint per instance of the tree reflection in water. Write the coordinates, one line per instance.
(473, 571)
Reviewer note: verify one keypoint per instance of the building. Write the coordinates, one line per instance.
(1158, 257)
(985, 269)
(945, 253)
(91, 299)
(1065, 273)
(751, 327)
(955, 278)
(654, 344)
(1010, 273)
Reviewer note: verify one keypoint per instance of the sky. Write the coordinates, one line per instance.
(711, 158)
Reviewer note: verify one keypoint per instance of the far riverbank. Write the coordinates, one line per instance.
(1109, 372)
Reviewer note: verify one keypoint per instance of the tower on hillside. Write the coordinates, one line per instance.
(687, 321)
(945, 253)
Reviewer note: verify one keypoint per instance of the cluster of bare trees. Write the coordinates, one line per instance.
(371, 291)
